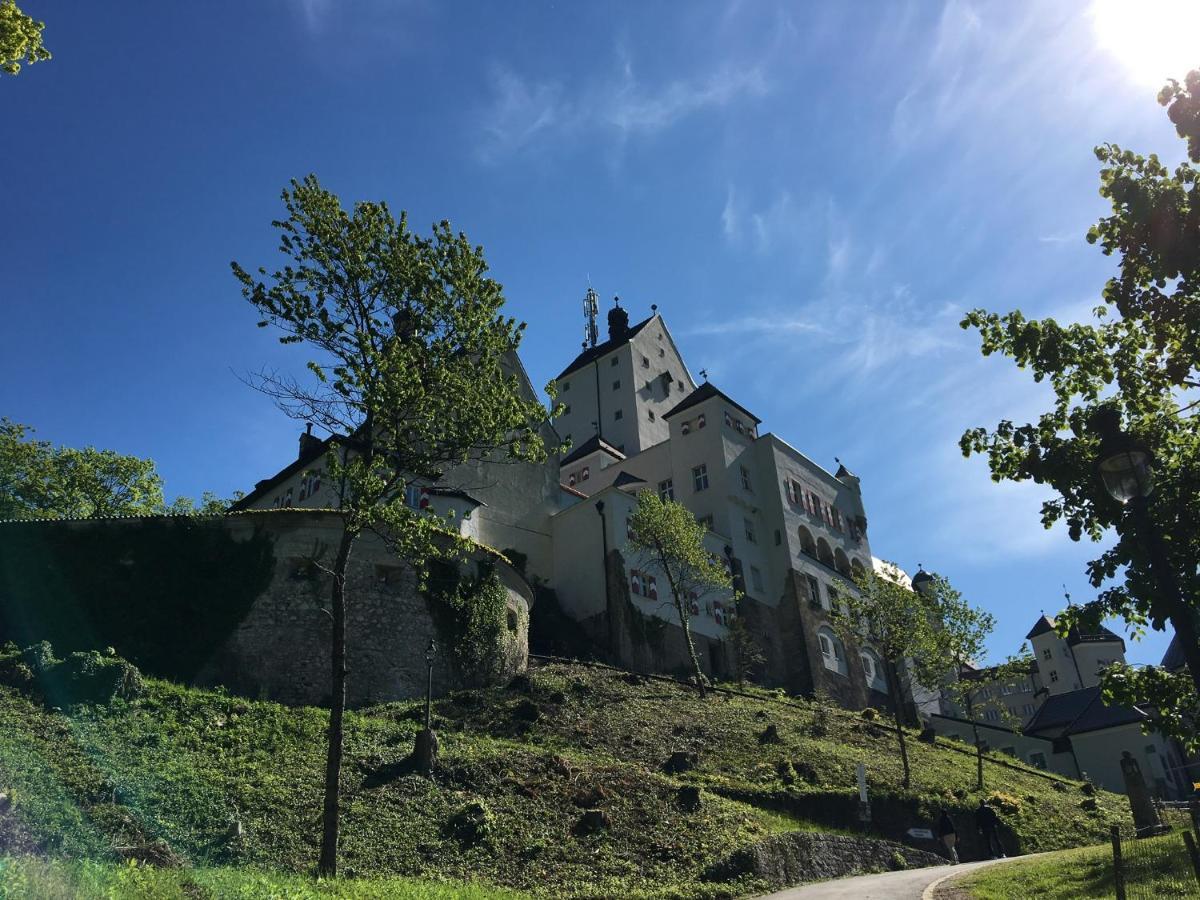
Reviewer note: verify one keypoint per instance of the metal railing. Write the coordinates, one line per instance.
(1159, 866)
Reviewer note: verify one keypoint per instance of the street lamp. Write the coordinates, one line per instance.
(1125, 464)
(430, 658)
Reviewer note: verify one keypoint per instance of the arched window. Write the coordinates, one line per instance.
(807, 545)
(824, 553)
(873, 670)
(841, 562)
(833, 653)
(857, 572)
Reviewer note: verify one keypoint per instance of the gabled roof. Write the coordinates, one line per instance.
(1040, 627)
(316, 449)
(1100, 634)
(624, 479)
(1077, 712)
(705, 392)
(590, 446)
(593, 353)
(1173, 658)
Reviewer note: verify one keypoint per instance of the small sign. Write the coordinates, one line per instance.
(920, 834)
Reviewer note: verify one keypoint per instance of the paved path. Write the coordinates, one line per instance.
(906, 885)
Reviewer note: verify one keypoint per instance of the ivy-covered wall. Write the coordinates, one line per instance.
(164, 592)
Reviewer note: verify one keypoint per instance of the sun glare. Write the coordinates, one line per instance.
(1153, 39)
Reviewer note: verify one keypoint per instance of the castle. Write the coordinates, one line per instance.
(791, 532)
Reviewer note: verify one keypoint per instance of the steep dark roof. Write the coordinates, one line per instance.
(1040, 627)
(702, 393)
(590, 446)
(316, 449)
(594, 353)
(624, 478)
(1099, 634)
(1077, 712)
(1173, 658)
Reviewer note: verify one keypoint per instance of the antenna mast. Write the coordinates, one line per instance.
(591, 311)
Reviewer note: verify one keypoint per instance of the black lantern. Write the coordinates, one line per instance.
(1124, 463)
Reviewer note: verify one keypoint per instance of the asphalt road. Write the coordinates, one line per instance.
(906, 885)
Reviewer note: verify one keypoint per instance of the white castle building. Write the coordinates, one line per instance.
(791, 531)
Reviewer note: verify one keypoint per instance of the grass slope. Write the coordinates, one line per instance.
(518, 769)
(1161, 869)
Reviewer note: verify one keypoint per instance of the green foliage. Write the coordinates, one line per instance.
(164, 593)
(1177, 708)
(27, 877)
(83, 677)
(1140, 361)
(38, 480)
(20, 39)
(1183, 109)
(470, 617)
(748, 656)
(180, 764)
(668, 539)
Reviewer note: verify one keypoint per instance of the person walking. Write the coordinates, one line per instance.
(988, 824)
(946, 831)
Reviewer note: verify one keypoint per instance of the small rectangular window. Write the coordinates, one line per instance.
(706, 521)
(586, 473)
(992, 715)
(756, 579)
(566, 386)
(778, 537)
(618, 414)
(1047, 653)
(814, 591)
(666, 490)
(749, 531)
(645, 362)
(617, 385)
(650, 414)
(700, 477)
(1037, 760)
(1054, 676)
(614, 361)
(746, 479)
(566, 409)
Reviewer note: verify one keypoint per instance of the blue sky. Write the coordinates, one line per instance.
(812, 194)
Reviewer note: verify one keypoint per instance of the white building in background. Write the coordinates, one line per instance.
(1065, 726)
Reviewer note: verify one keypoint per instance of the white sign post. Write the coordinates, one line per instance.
(864, 807)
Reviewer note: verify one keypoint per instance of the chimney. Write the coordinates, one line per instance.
(618, 321)
(308, 443)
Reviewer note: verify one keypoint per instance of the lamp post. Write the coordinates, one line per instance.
(426, 747)
(430, 658)
(1125, 466)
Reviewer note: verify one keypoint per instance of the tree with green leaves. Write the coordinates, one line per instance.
(747, 653)
(20, 39)
(963, 631)
(1136, 365)
(919, 634)
(41, 481)
(666, 538)
(411, 369)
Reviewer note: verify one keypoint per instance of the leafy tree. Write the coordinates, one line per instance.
(1138, 361)
(747, 654)
(1174, 706)
(412, 370)
(20, 38)
(39, 480)
(209, 504)
(927, 634)
(668, 539)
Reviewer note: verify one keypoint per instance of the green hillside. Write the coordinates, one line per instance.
(165, 777)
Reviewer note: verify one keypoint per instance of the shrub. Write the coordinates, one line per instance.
(471, 824)
(898, 861)
(1006, 803)
(870, 714)
(89, 677)
(39, 657)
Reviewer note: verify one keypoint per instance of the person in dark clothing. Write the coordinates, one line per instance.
(948, 835)
(988, 824)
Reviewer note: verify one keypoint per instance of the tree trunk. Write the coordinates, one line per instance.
(1189, 641)
(898, 717)
(978, 756)
(331, 819)
(691, 647)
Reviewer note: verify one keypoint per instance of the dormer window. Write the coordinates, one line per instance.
(645, 362)
(585, 474)
(686, 428)
(700, 421)
(571, 480)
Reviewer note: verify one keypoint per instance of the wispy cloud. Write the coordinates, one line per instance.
(523, 111)
(765, 325)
